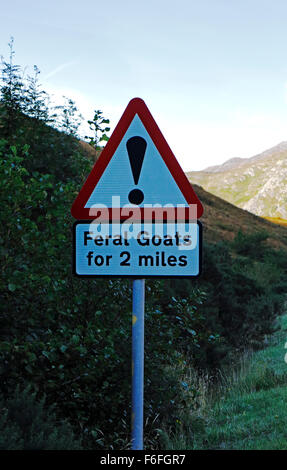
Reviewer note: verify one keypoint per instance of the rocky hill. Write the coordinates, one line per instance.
(222, 221)
(257, 184)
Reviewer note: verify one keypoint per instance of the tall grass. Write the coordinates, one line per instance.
(245, 408)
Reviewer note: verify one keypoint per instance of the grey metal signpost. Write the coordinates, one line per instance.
(138, 363)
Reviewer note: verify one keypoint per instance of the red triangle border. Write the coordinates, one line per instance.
(136, 106)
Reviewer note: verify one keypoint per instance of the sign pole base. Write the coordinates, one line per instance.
(138, 363)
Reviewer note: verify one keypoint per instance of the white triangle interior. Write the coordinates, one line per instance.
(155, 181)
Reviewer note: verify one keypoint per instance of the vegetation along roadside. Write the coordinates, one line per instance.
(65, 342)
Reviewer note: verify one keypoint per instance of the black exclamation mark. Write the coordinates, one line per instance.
(136, 147)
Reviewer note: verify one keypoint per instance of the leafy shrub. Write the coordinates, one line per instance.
(70, 338)
(27, 424)
(250, 244)
(240, 307)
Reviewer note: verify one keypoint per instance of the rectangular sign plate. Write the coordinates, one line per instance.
(144, 249)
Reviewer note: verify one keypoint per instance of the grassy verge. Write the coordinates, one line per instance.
(249, 409)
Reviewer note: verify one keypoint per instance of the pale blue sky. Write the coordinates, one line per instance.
(212, 72)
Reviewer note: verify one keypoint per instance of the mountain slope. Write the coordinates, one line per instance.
(222, 221)
(257, 184)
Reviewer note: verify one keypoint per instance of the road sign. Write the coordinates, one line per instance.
(135, 182)
(137, 169)
(137, 217)
(137, 250)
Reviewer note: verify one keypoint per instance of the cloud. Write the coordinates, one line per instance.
(59, 69)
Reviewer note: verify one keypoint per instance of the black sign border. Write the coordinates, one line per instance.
(127, 276)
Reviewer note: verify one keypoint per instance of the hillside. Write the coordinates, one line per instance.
(73, 348)
(222, 221)
(247, 410)
(88, 150)
(257, 184)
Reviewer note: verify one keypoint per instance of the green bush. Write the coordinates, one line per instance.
(251, 244)
(243, 300)
(27, 424)
(68, 337)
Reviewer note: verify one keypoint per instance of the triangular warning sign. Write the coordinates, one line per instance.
(137, 169)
